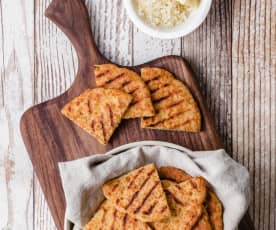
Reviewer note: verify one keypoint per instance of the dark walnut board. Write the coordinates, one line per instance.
(51, 138)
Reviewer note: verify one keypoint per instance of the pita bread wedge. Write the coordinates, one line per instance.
(203, 222)
(185, 201)
(215, 210)
(174, 104)
(98, 111)
(174, 174)
(167, 183)
(214, 206)
(139, 194)
(108, 218)
(111, 76)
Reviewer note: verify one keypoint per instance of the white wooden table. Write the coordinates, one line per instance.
(233, 54)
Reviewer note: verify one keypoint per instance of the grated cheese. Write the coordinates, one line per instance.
(165, 13)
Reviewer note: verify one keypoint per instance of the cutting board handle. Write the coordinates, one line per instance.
(72, 18)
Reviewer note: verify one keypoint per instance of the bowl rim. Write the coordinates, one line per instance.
(68, 224)
(159, 33)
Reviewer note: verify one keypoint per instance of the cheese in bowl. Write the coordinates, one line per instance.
(165, 13)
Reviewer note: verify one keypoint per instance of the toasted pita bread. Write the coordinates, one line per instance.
(111, 76)
(203, 222)
(167, 183)
(139, 194)
(174, 104)
(215, 210)
(214, 206)
(98, 111)
(185, 201)
(173, 174)
(108, 218)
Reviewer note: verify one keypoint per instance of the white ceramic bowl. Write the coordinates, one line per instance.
(193, 21)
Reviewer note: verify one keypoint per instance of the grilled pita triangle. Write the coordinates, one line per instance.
(139, 194)
(185, 201)
(174, 104)
(213, 204)
(215, 211)
(203, 222)
(98, 111)
(111, 76)
(108, 218)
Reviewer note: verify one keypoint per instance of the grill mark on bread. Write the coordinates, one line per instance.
(164, 120)
(137, 192)
(124, 221)
(132, 199)
(181, 124)
(114, 187)
(194, 185)
(133, 90)
(152, 79)
(146, 197)
(158, 88)
(150, 209)
(111, 116)
(166, 97)
(114, 214)
(115, 78)
(178, 201)
(174, 104)
(104, 216)
(89, 107)
(93, 125)
(161, 99)
(178, 187)
(102, 74)
(137, 101)
(103, 129)
(163, 209)
(126, 83)
(134, 178)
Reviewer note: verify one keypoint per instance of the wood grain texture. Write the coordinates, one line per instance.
(16, 95)
(245, 115)
(254, 101)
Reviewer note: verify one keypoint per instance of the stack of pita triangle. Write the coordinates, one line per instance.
(161, 101)
(140, 200)
(211, 217)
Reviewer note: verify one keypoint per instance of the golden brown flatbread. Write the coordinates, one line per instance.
(203, 222)
(174, 174)
(174, 104)
(139, 194)
(108, 218)
(215, 211)
(98, 111)
(185, 201)
(213, 204)
(111, 76)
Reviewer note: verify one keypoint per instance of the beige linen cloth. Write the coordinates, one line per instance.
(82, 179)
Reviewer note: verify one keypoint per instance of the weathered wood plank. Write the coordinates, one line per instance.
(16, 95)
(254, 99)
(208, 49)
(112, 30)
(146, 48)
(55, 69)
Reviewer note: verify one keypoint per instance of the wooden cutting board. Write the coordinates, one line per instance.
(51, 138)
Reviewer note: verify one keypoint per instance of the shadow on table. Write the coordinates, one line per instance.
(246, 223)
